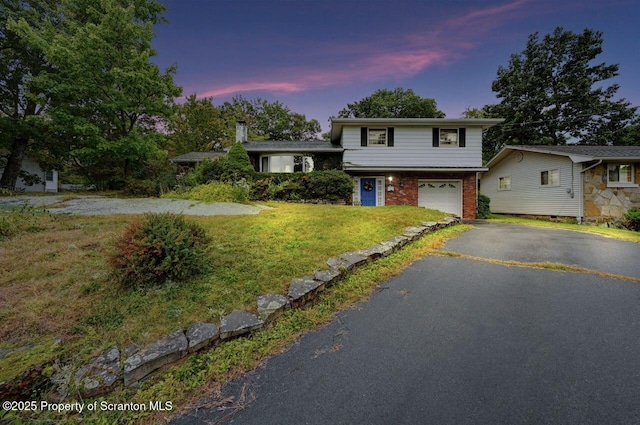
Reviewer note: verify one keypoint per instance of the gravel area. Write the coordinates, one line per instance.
(100, 205)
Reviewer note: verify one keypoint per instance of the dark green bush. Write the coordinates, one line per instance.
(144, 188)
(328, 185)
(158, 248)
(208, 170)
(483, 206)
(632, 219)
(237, 165)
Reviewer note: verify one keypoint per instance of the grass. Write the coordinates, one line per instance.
(56, 283)
(206, 372)
(624, 235)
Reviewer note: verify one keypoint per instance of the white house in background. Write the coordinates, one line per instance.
(38, 180)
(594, 183)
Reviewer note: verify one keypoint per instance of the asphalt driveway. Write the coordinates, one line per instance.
(461, 341)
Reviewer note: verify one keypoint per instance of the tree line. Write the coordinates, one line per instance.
(78, 91)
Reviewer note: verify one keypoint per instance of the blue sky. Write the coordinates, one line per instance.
(315, 56)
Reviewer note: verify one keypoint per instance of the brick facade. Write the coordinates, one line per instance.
(406, 188)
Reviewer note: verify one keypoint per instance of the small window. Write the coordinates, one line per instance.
(504, 183)
(550, 178)
(48, 176)
(448, 137)
(377, 137)
(620, 174)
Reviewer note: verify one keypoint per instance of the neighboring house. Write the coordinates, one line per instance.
(35, 179)
(594, 183)
(427, 162)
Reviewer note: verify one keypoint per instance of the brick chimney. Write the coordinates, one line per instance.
(241, 131)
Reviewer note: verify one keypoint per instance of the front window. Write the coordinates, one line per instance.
(448, 137)
(550, 178)
(504, 183)
(286, 163)
(377, 137)
(620, 173)
(48, 176)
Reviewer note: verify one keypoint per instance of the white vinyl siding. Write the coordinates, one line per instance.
(413, 147)
(527, 195)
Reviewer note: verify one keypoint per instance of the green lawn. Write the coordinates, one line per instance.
(55, 281)
(625, 235)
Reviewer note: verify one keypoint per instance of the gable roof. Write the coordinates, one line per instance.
(577, 153)
(338, 123)
(302, 146)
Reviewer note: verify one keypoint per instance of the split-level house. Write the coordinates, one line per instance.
(427, 162)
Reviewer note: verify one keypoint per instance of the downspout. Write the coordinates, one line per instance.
(581, 194)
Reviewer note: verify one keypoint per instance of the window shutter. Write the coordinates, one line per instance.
(462, 137)
(436, 137)
(390, 136)
(363, 136)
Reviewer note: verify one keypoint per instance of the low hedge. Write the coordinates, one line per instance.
(327, 185)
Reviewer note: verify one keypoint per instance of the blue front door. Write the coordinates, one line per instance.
(368, 192)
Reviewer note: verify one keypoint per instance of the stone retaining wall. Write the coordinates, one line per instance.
(115, 368)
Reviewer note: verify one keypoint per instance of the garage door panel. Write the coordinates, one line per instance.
(443, 195)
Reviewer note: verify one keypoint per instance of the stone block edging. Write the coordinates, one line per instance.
(101, 374)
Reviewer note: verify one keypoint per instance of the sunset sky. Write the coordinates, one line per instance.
(315, 56)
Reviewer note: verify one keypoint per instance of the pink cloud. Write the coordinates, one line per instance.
(285, 87)
(405, 56)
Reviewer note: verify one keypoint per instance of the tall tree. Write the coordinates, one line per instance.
(197, 126)
(107, 98)
(554, 91)
(398, 103)
(268, 120)
(22, 103)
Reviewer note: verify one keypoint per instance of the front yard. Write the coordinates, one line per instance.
(58, 299)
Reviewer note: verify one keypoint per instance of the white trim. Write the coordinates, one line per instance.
(380, 190)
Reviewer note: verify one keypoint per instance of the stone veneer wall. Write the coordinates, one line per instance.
(602, 203)
(406, 189)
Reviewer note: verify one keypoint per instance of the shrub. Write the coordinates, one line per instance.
(332, 185)
(144, 188)
(214, 192)
(329, 185)
(483, 206)
(237, 165)
(158, 248)
(208, 170)
(632, 219)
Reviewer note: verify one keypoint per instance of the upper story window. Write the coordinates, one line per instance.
(620, 175)
(449, 137)
(550, 178)
(376, 136)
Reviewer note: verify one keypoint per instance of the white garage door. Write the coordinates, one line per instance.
(443, 195)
